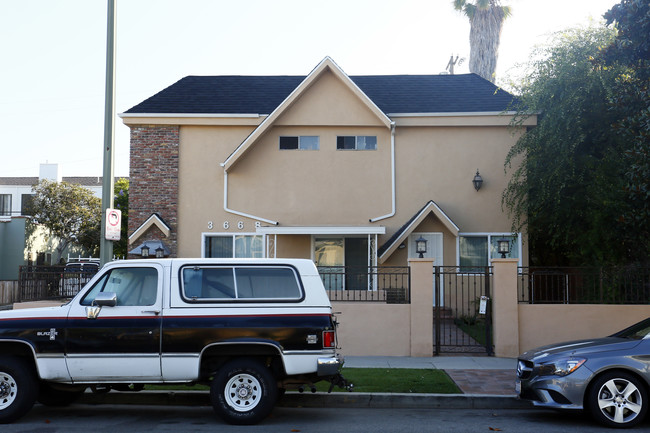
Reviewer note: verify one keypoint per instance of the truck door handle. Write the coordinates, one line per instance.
(156, 312)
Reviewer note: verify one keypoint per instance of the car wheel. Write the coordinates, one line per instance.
(243, 392)
(18, 389)
(51, 396)
(618, 399)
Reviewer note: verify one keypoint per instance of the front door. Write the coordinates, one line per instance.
(124, 340)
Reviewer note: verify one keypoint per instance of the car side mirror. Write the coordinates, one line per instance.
(103, 299)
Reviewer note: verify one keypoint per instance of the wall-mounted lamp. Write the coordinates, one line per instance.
(160, 252)
(421, 246)
(144, 251)
(477, 181)
(503, 247)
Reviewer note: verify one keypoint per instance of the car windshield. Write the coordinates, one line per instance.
(635, 332)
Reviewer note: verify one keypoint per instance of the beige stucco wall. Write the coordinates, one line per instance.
(434, 161)
(373, 329)
(540, 325)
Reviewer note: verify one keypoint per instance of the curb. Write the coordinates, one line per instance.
(342, 400)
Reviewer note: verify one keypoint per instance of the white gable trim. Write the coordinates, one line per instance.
(431, 207)
(153, 220)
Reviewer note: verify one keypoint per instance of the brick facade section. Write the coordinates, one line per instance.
(153, 186)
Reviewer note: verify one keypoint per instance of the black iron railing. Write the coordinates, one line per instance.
(389, 284)
(614, 285)
(51, 282)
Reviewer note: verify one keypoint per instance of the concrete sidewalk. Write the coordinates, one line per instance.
(437, 362)
(486, 383)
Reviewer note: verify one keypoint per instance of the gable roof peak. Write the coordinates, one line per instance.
(326, 64)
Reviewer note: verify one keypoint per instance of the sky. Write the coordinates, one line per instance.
(53, 57)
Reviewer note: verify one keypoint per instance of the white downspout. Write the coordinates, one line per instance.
(225, 203)
(392, 173)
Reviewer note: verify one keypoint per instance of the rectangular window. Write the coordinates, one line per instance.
(303, 142)
(356, 142)
(5, 204)
(479, 250)
(246, 283)
(26, 204)
(229, 246)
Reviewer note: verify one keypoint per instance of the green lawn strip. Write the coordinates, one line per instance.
(397, 380)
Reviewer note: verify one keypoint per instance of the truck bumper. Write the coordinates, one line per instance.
(329, 366)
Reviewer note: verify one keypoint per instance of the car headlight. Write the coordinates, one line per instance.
(561, 367)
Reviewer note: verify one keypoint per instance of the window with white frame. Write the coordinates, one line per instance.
(478, 250)
(356, 142)
(5, 204)
(302, 142)
(233, 245)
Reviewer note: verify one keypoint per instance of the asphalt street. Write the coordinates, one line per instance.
(134, 418)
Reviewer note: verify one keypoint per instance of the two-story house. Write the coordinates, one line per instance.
(345, 170)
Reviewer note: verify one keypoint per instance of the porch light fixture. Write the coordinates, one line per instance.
(421, 246)
(503, 247)
(144, 251)
(477, 181)
(160, 252)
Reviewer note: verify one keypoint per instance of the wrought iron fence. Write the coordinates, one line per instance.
(389, 284)
(614, 285)
(51, 282)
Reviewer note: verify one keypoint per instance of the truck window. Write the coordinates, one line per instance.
(133, 286)
(245, 283)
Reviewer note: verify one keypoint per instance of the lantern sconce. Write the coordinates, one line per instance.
(477, 181)
(160, 252)
(421, 246)
(503, 247)
(144, 251)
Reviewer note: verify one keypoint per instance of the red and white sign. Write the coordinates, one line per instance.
(113, 224)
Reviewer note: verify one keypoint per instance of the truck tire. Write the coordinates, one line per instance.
(243, 392)
(18, 388)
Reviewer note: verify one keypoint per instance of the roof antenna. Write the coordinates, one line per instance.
(452, 62)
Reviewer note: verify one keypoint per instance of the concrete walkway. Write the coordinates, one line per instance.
(474, 375)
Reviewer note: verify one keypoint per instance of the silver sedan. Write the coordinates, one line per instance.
(609, 377)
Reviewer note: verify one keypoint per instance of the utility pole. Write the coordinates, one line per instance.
(108, 181)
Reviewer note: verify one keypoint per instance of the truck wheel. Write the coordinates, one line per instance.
(618, 399)
(51, 396)
(243, 392)
(18, 389)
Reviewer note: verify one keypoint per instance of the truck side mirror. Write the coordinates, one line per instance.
(103, 299)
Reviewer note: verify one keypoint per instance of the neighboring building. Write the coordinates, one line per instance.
(18, 244)
(345, 170)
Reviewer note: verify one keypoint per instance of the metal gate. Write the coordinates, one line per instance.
(462, 320)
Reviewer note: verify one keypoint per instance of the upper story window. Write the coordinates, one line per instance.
(5, 204)
(356, 142)
(26, 201)
(302, 142)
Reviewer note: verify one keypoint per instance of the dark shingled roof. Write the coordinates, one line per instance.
(391, 93)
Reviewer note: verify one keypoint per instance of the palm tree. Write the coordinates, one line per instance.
(486, 20)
